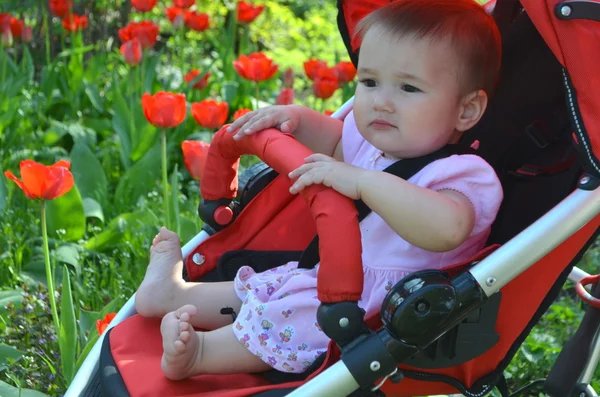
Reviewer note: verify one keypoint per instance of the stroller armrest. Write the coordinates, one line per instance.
(340, 275)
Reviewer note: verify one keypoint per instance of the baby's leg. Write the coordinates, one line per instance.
(163, 290)
(188, 353)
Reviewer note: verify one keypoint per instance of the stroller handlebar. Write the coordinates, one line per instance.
(340, 276)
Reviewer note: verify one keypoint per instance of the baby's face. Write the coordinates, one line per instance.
(408, 100)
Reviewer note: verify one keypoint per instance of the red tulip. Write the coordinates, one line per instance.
(43, 182)
(74, 22)
(345, 72)
(184, 3)
(201, 83)
(312, 66)
(248, 12)
(143, 5)
(256, 66)
(197, 21)
(101, 325)
(325, 83)
(285, 97)
(27, 34)
(16, 27)
(4, 21)
(164, 109)
(240, 112)
(132, 52)
(175, 15)
(194, 157)
(60, 8)
(146, 32)
(210, 113)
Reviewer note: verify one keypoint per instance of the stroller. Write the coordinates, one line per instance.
(438, 332)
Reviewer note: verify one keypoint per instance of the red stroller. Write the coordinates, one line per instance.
(439, 331)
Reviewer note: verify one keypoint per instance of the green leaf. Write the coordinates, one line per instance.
(122, 228)
(188, 229)
(139, 179)
(121, 123)
(3, 192)
(78, 133)
(66, 213)
(27, 64)
(7, 116)
(10, 296)
(105, 240)
(229, 90)
(88, 173)
(68, 329)
(93, 209)
(7, 390)
(174, 208)
(6, 353)
(93, 95)
(69, 254)
(86, 350)
(87, 322)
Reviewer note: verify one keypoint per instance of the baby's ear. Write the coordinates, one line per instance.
(472, 108)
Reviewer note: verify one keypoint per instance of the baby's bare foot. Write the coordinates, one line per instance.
(181, 344)
(154, 296)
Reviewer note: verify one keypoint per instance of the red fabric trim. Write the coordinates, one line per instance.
(340, 273)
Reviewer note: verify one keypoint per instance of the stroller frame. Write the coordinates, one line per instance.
(490, 274)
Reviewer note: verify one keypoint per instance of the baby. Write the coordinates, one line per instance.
(425, 71)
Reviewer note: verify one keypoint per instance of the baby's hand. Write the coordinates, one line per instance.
(325, 170)
(285, 118)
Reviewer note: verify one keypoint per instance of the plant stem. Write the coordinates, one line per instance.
(47, 34)
(141, 66)
(164, 177)
(181, 48)
(49, 275)
(4, 56)
(256, 95)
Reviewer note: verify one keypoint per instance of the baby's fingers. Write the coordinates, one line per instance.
(310, 178)
(240, 121)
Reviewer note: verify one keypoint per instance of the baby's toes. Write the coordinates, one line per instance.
(179, 345)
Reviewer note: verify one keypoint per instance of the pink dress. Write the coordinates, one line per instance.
(277, 320)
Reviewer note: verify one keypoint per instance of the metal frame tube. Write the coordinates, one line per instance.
(517, 255)
(334, 381)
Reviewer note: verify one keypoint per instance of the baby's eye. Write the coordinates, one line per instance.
(368, 82)
(410, 88)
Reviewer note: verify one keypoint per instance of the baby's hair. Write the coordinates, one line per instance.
(473, 34)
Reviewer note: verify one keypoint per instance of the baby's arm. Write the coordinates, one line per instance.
(320, 133)
(433, 220)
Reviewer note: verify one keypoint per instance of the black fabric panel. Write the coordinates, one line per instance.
(93, 388)
(112, 384)
(231, 261)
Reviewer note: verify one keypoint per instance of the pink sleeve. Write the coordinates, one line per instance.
(351, 139)
(471, 176)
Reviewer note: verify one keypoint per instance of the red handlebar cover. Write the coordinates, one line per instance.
(340, 276)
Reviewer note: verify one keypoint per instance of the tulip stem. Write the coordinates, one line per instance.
(164, 177)
(47, 35)
(256, 86)
(49, 275)
(181, 48)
